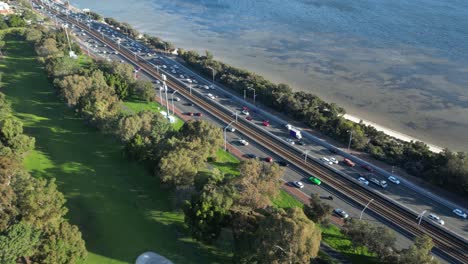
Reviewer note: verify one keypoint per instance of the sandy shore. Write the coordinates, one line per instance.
(391, 132)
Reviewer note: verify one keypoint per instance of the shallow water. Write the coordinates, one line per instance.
(402, 64)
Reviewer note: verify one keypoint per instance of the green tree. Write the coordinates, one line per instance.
(419, 252)
(8, 210)
(48, 48)
(18, 241)
(16, 21)
(63, 66)
(33, 35)
(317, 210)
(282, 236)
(208, 211)
(258, 183)
(209, 135)
(144, 90)
(61, 245)
(73, 87)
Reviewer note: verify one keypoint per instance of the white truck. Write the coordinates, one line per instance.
(382, 183)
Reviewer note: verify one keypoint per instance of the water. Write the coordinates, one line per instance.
(402, 64)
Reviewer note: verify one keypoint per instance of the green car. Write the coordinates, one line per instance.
(315, 180)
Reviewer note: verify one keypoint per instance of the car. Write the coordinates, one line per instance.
(194, 81)
(212, 87)
(269, 159)
(243, 142)
(198, 114)
(211, 96)
(300, 142)
(290, 141)
(250, 156)
(367, 168)
(230, 128)
(249, 118)
(315, 180)
(181, 76)
(460, 213)
(363, 180)
(189, 113)
(326, 160)
(298, 184)
(177, 99)
(282, 163)
(288, 126)
(206, 87)
(245, 112)
(266, 123)
(394, 179)
(333, 160)
(340, 212)
(436, 219)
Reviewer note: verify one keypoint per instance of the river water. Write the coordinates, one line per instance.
(399, 63)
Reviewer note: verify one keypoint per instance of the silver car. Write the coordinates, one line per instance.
(342, 213)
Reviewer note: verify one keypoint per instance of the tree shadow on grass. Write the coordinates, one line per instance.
(121, 210)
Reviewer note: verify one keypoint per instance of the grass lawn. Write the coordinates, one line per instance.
(334, 238)
(137, 106)
(121, 210)
(285, 200)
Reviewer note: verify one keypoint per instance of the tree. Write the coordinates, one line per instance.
(73, 87)
(209, 135)
(3, 24)
(33, 35)
(208, 211)
(48, 48)
(40, 203)
(119, 84)
(144, 90)
(317, 210)
(419, 253)
(282, 236)
(16, 21)
(257, 183)
(100, 106)
(19, 240)
(63, 66)
(62, 244)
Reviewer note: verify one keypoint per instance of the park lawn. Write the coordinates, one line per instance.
(333, 236)
(135, 105)
(119, 207)
(285, 200)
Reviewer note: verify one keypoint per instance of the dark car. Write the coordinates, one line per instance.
(367, 168)
(189, 113)
(198, 114)
(250, 156)
(189, 104)
(249, 118)
(282, 163)
(268, 159)
(300, 142)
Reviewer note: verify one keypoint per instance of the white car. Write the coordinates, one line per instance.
(326, 161)
(394, 179)
(189, 80)
(298, 184)
(177, 99)
(243, 142)
(245, 112)
(460, 213)
(206, 87)
(363, 180)
(230, 128)
(436, 219)
(290, 141)
(333, 160)
(182, 76)
(211, 96)
(342, 213)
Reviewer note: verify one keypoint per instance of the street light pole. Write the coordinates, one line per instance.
(235, 113)
(244, 94)
(365, 207)
(350, 138)
(172, 97)
(225, 144)
(420, 216)
(255, 95)
(213, 73)
(190, 86)
(306, 153)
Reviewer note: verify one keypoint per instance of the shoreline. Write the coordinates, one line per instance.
(392, 132)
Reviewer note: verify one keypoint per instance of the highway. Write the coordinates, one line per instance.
(268, 137)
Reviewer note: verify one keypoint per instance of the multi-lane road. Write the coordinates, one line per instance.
(271, 142)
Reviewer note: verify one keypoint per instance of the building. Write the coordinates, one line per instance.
(5, 8)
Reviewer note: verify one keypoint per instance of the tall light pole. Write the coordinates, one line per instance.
(420, 217)
(190, 86)
(255, 95)
(213, 73)
(365, 207)
(350, 138)
(236, 113)
(172, 98)
(244, 94)
(305, 154)
(225, 144)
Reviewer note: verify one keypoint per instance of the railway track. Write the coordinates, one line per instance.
(451, 246)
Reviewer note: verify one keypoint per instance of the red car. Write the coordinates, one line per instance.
(266, 123)
(198, 114)
(249, 118)
(367, 168)
(189, 113)
(268, 159)
(245, 108)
